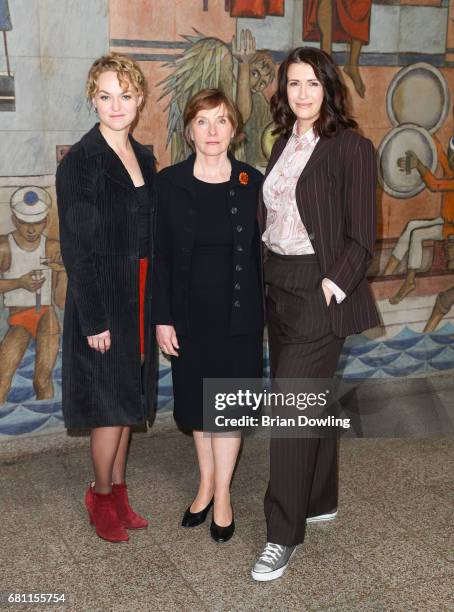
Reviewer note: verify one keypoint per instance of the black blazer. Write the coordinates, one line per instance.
(176, 230)
(99, 232)
(336, 199)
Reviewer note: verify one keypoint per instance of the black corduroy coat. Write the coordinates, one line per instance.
(99, 222)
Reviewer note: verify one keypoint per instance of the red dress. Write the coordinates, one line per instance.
(351, 19)
(257, 8)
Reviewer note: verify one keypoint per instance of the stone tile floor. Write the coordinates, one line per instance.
(391, 547)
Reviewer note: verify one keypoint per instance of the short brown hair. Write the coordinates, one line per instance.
(334, 113)
(208, 99)
(128, 72)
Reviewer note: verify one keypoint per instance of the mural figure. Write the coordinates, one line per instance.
(256, 72)
(257, 8)
(32, 280)
(7, 97)
(417, 230)
(330, 21)
(443, 304)
(209, 62)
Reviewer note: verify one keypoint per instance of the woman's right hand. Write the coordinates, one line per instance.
(100, 342)
(167, 339)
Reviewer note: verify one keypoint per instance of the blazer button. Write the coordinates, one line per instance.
(239, 228)
(237, 286)
(234, 210)
(232, 193)
(311, 236)
(185, 249)
(238, 267)
(187, 229)
(239, 248)
(237, 303)
(191, 211)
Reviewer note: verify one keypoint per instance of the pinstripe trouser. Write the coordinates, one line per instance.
(303, 471)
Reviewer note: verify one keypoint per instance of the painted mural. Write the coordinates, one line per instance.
(239, 70)
(7, 98)
(397, 60)
(346, 21)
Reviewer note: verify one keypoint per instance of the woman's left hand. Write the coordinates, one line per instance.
(327, 293)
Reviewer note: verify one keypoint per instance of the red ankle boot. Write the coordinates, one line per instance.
(103, 515)
(128, 518)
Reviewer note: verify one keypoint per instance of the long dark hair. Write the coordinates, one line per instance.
(334, 114)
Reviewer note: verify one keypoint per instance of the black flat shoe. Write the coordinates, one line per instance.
(192, 519)
(222, 534)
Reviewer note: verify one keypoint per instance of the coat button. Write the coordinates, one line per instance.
(238, 267)
(237, 286)
(237, 303)
(311, 236)
(234, 210)
(187, 229)
(232, 192)
(239, 248)
(191, 211)
(185, 249)
(239, 228)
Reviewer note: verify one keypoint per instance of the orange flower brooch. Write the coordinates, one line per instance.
(244, 178)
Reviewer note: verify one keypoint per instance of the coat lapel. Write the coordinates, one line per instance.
(185, 176)
(322, 148)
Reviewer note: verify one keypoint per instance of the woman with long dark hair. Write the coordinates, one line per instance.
(318, 223)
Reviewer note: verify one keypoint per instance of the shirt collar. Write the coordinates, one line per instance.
(310, 137)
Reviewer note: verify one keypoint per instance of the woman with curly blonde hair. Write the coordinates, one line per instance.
(106, 212)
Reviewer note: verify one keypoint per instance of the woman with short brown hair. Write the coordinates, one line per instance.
(207, 302)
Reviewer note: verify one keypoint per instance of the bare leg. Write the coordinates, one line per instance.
(205, 458)
(435, 318)
(407, 287)
(104, 443)
(47, 341)
(352, 68)
(225, 452)
(442, 306)
(392, 265)
(325, 24)
(12, 350)
(119, 467)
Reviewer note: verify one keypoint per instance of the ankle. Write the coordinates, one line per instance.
(119, 481)
(101, 489)
(222, 498)
(206, 489)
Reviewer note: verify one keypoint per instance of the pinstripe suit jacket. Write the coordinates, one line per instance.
(336, 195)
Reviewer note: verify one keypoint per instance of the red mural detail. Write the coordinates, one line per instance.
(257, 8)
(351, 19)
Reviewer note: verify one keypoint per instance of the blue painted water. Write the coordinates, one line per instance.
(408, 353)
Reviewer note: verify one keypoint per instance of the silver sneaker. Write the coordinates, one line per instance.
(329, 516)
(273, 562)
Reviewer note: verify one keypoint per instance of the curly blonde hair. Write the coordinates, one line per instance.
(128, 72)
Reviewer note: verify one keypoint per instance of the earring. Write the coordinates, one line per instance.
(96, 110)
